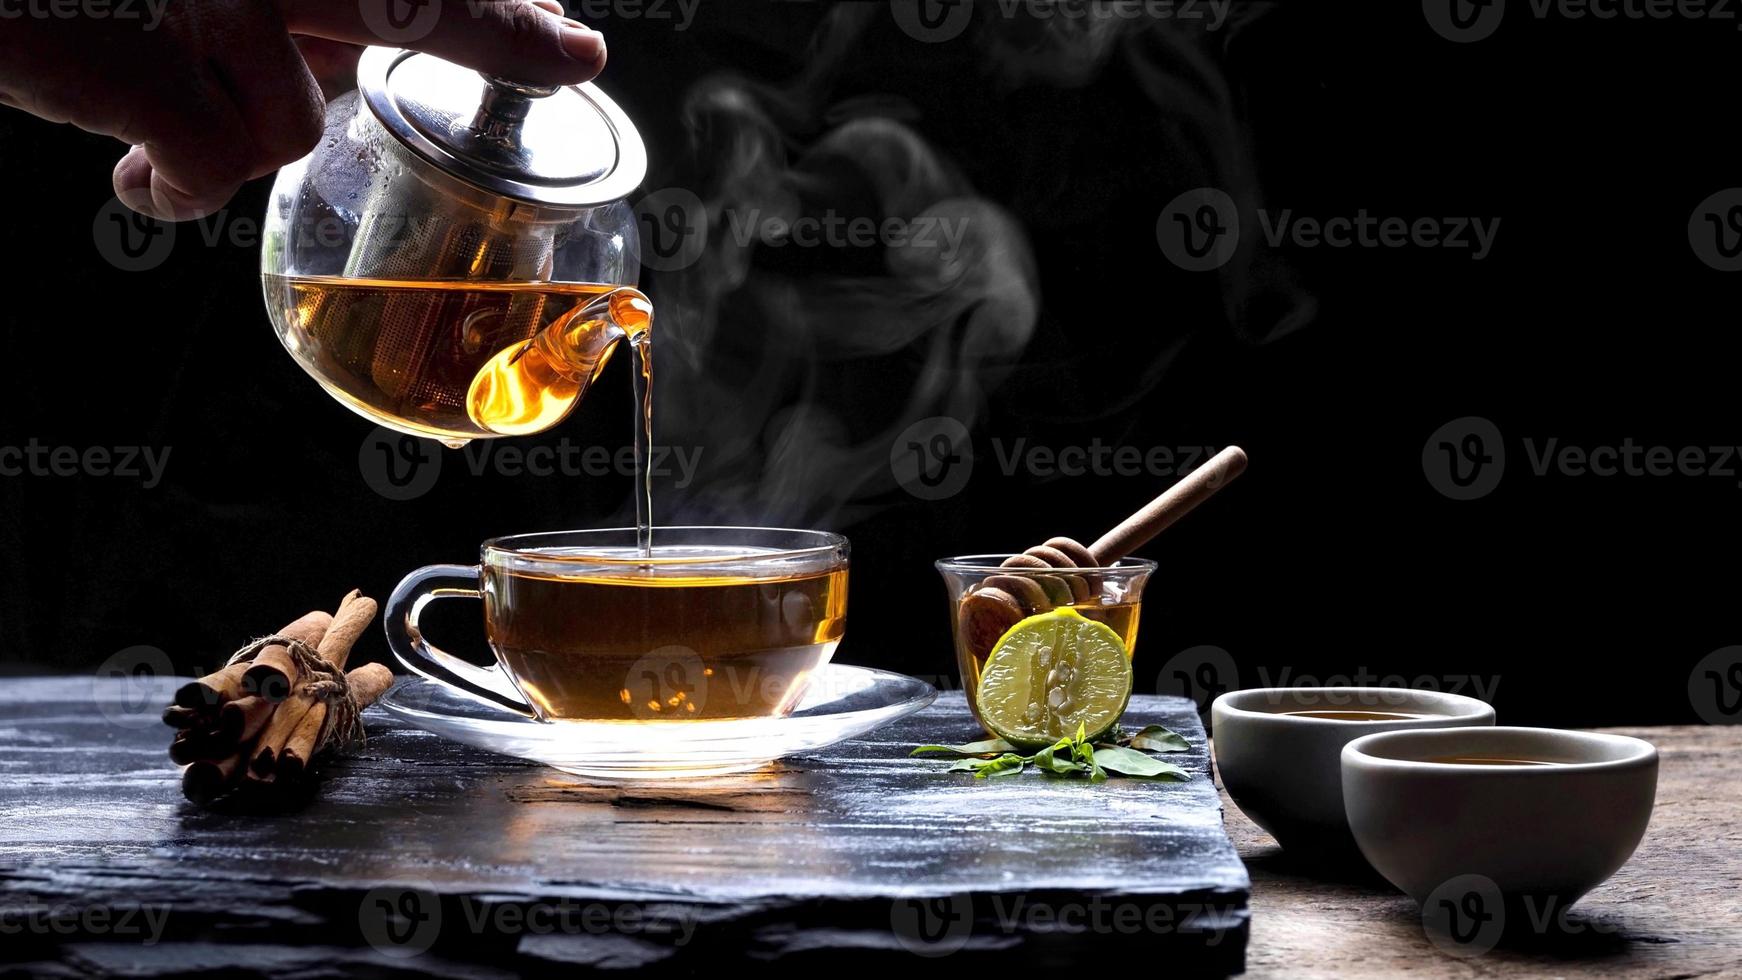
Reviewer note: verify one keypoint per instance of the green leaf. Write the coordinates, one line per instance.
(1072, 756)
(991, 746)
(1155, 738)
(1130, 762)
(1084, 754)
(1047, 759)
(1008, 764)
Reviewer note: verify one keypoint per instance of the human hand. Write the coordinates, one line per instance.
(211, 93)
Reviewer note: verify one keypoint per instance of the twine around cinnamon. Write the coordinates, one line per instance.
(320, 681)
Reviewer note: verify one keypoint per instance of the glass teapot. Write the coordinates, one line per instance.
(456, 259)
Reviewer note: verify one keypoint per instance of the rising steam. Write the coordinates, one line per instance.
(795, 369)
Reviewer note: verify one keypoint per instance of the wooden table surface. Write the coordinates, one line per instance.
(423, 855)
(1674, 910)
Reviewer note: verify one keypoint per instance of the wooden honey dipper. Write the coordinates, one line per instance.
(1001, 601)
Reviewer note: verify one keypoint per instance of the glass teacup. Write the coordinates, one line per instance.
(716, 623)
(1111, 595)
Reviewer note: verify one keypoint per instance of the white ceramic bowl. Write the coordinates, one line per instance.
(1284, 770)
(1534, 830)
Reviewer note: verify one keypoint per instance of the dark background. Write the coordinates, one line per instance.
(1573, 600)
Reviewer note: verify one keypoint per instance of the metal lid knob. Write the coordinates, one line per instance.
(503, 108)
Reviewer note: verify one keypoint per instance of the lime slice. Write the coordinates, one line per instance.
(1051, 673)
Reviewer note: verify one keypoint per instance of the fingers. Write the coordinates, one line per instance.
(333, 63)
(266, 78)
(249, 108)
(530, 42)
(191, 151)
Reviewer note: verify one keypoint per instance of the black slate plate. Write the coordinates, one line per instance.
(423, 855)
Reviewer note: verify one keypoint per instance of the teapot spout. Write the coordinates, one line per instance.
(531, 386)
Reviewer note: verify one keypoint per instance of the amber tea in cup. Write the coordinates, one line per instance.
(713, 623)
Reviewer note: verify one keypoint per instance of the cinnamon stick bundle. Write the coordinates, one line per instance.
(264, 718)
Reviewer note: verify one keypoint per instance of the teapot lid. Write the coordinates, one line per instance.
(559, 146)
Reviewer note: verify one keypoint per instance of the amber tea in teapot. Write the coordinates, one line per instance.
(454, 360)
(457, 258)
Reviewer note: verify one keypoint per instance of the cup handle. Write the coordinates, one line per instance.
(405, 637)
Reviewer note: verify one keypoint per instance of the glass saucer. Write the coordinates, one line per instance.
(842, 702)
